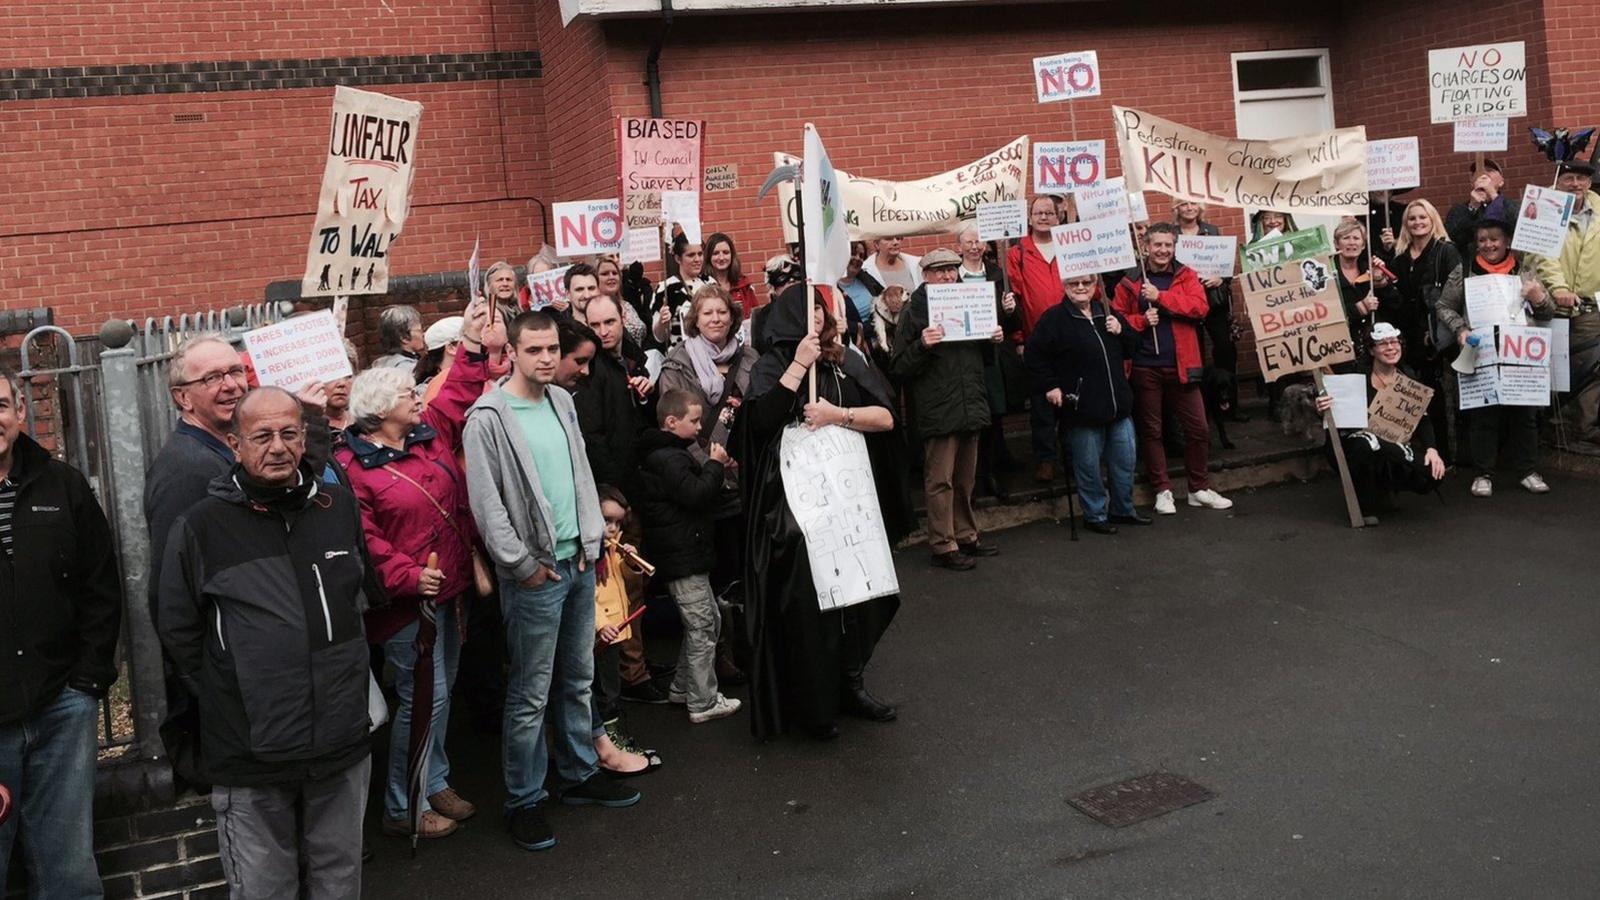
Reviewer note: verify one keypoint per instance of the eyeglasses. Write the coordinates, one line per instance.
(212, 379)
(1080, 284)
(289, 436)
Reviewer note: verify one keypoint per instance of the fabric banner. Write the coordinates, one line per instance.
(827, 241)
(1297, 317)
(879, 208)
(1314, 173)
(827, 479)
(366, 193)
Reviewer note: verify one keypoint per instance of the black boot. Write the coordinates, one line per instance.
(855, 701)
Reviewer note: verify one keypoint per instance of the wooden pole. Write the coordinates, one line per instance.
(1351, 504)
(811, 328)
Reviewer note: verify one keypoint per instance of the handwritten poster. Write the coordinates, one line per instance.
(1486, 81)
(1066, 76)
(655, 155)
(296, 351)
(1542, 219)
(967, 311)
(547, 288)
(1093, 246)
(366, 193)
(721, 178)
(1002, 220)
(1397, 408)
(827, 479)
(1297, 317)
(1064, 167)
(1210, 256)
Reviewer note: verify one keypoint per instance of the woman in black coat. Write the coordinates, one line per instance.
(1368, 295)
(1424, 257)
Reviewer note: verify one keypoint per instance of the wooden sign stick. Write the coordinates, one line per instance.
(1351, 504)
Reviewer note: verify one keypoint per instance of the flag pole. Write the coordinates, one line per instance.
(811, 290)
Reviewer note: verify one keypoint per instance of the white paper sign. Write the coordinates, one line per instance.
(644, 245)
(1066, 76)
(292, 352)
(1093, 246)
(1561, 355)
(967, 311)
(547, 288)
(827, 479)
(1478, 389)
(1393, 164)
(1523, 386)
(1525, 345)
(1542, 219)
(474, 275)
(1065, 167)
(1106, 199)
(585, 227)
(1137, 210)
(683, 209)
(1486, 81)
(1349, 393)
(1002, 220)
(1210, 256)
(1481, 136)
(1494, 300)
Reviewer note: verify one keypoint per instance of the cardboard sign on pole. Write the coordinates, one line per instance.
(1297, 317)
(1486, 81)
(296, 351)
(1393, 164)
(1066, 76)
(655, 155)
(585, 227)
(1093, 246)
(1061, 167)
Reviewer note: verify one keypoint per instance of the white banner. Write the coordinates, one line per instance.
(1210, 256)
(967, 311)
(296, 351)
(1093, 246)
(827, 479)
(1486, 81)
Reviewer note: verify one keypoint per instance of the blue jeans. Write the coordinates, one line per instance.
(401, 653)
(1116, 445)
(48, 762)
(550, 640)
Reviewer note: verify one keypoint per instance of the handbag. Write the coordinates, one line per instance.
(482, 578)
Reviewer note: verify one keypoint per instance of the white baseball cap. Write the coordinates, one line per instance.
(443, 332)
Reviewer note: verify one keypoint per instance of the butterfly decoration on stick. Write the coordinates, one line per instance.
(1561, 146)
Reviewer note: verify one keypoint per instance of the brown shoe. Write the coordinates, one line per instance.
(1045, 473)
(449, 804)
(433, 826)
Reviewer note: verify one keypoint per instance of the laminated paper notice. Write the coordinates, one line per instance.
(827, 479)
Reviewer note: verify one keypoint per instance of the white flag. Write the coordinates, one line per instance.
(822, 203)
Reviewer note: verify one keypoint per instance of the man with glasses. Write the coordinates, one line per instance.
(262, 590)
(1573, 280)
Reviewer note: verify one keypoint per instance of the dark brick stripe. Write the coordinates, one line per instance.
(64, 82)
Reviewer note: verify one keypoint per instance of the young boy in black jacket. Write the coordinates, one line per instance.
(678, 498)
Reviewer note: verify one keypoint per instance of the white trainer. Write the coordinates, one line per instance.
(1483, 486)
(1535, 484)
(1209, 499)
(1164, 504)
(724, 707)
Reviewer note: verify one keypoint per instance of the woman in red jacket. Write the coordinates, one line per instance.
(401, 460)
(722, 266)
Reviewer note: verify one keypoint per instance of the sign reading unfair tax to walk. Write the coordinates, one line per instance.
(1481, 82)
(1093, 246)
(1297, 317)
(1397, 408)
(1542, 219)
(1066, 76)
(1210, 256)
(1481, 136)
(1314, 173)
(1002, 220)
(1064, 167)
(1393, 164)
(655, 155)
(366, 193)
(966, 311)
(827, 479)
(585, 227)
(296, 351)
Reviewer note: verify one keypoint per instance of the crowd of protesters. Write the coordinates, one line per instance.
(483, 510)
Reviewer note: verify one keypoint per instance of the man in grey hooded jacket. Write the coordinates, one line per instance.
(533, 496)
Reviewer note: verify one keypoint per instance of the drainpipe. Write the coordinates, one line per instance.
(652, 63)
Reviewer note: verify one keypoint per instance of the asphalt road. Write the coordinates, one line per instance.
(1403, 711)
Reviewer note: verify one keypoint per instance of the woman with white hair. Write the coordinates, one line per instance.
(401, 460)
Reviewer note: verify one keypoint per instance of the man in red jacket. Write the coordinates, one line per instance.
(1167, 307)
(1033, 274)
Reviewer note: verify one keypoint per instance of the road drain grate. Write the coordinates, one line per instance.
(1140, 798)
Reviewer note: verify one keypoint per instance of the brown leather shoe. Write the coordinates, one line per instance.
(433, 826)
(449, 804)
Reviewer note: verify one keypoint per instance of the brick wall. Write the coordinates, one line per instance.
(170, 852)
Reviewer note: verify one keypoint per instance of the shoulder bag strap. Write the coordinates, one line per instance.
(389, 467)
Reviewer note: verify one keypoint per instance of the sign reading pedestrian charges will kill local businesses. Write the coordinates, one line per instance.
(1489, 81)
(1297, 317)
(366, 193)
(655, 155)
(1314, 173)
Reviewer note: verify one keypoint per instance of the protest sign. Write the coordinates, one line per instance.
(474, 276)
(1522, 385)
(1486, 81)
(1210, 256)
(1092, 246)
(1314, 173)
(967, 311)
(547, 288)
(1108, 199)
(1002, 220)
(1481, 136)
(1297, 317)
(1525, 345)
(341, 312)
(1066, 76)
(827, 244)
(878, 208)
(1303, 244)
(1061, 167)
(643, 245)
(827, 479)
(366, 194)
(1542, 220)
(1478, 389)
(1397, 408)
(1349, 394)
(296, 351)
(1561, 355)
(586, 227)
(1494, 300)
(1393, 164)
(655, 155)
(721, 179)
(1137, 210)
(682, 208)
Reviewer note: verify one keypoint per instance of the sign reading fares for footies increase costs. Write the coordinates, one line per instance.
(1486, 81)
(1210, 256)
(1481, 136)
(1067, 76)
(547, 288)
(290, 353)
(1064, 167)
(585, 227)
(967, 311)
(1542, 219)
(1297, 317)
(827, 479)
(1000, 220)
(1093, 246)
(1393, 164)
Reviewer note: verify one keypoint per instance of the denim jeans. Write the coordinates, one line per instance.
(401, 653)
(1115, 444)
(48, 761)
(550, 642)
(696, 676)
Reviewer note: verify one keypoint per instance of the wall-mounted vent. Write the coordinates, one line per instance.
(187, 118)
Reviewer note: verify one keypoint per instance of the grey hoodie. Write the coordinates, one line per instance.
(503, 487)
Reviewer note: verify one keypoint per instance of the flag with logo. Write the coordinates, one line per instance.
(822, 204)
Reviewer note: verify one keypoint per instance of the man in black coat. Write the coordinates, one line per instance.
(60, 607)
(611, 400)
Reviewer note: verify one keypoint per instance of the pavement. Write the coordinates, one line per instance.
(1400, 711)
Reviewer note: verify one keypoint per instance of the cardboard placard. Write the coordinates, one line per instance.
(1393, 164)
(1485, 81)
(1397, 408)
(722, 178)
(1481, 136)
(1210, 256)
(827, 479)
(1493, 300)
(1542, 220)
(655, 155)
(298, 350)
(1297, 317)
(585, 227)
(1066, 76)
(1061, 167)
(1093, 246)
(967, 311)
(547, 288)
(1001, 220)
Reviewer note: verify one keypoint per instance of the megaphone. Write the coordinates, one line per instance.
(1466, 362)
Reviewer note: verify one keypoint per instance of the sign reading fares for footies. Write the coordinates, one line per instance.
(547, 288)
(585, 227)
(1066, 76)
(1093, 246)
(827, 479)
(1297, 317)
(366, 193)
(1486, 81)
(296, 351)
(1064, 167)
(1481, 136)
(1397, 408)
(1542, 219)
(1001, 220)
(967, 311)
(1210, 256)
(1393, 164)
(1526, 356)
(655, 155)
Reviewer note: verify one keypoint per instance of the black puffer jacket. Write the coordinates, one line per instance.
(1072, 352)
(261, 614)
(610, 417)
(677, 501)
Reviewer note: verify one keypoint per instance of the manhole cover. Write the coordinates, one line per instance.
(1139, 798)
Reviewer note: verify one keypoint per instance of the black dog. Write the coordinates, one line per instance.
(1221, 393)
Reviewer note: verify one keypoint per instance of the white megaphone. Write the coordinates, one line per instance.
(1466, 361)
